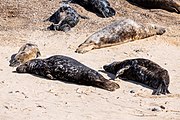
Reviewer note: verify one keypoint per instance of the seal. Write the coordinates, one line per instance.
(102, 7)
(64, 18)
(169, 5)
(66, 69)
(122, 31)
(141, 70)
(26, 52)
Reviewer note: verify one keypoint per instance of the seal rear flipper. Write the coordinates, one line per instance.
(107, 85)
(121, 71)
(162, 89)
(108, 12)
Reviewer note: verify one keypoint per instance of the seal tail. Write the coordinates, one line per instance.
(108, 12)
(162, 89)
(107, 85)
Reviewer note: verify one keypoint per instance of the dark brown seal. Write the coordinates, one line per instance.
(141, 70)
(26, 52)
(66, 69)
(101, 7)
(169, 5)
(119, 32)
(64, 18)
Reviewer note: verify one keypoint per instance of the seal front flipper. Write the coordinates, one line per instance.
(121, 71)
(50, 76)
(107, 85)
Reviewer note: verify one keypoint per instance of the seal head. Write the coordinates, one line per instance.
(26, 52)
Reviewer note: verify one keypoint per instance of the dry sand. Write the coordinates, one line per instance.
(28, 97)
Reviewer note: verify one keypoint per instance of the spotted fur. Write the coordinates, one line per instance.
(169, 5)
(66, 69)
(141, 70)
(101, 7)
(64, 18)
(119, 32)
(26, 52)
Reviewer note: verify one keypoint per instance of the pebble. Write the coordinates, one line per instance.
(156, 109)
(132, 91)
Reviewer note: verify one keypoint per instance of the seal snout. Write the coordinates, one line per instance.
(108, 68)
(161, 31)
(105, 67)
(14, 63)
(109, 12)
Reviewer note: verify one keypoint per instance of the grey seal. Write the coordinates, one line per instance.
(141, 70)
(27, 52)
(64, 18)
(119, 32)
(66, 69)
(169, 5)
(101, 7)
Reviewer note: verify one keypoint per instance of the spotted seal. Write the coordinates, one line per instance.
(169, 5)
(64, 18)
(119, 32)
(102, 7)
(26, 52)
(66, 69)
(141, 70)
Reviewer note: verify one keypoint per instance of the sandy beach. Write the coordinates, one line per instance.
(28, 97)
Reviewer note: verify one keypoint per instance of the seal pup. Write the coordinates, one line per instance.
(64, 18)
(119, 32)
(141, 70)
(26, 52)
(101, 7)
(169, 5)
(66, 69)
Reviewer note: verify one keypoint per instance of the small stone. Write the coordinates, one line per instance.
(6, 107)
(132, 91)
(156, 109)
(17, 91)
(162, 107)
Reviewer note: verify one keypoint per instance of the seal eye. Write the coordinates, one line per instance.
(18, 59)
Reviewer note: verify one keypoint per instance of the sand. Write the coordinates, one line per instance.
(28, 97)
